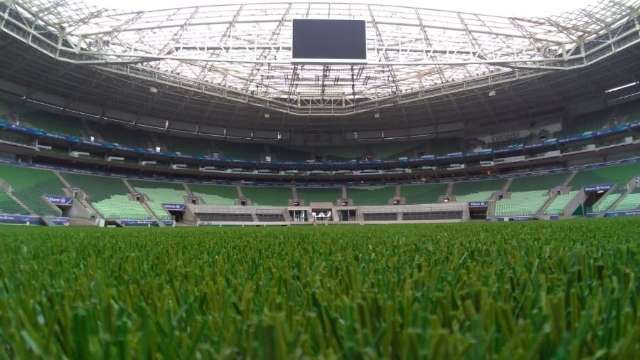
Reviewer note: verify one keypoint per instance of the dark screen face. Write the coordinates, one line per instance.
(329, 39)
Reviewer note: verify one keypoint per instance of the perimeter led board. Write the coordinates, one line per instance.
(329, 41)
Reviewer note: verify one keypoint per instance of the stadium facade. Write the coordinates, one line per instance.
(201, 115)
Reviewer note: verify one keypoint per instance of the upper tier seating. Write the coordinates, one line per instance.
(30, 186)
(319, 195)
(365, 196)
(476, 190)
(187, 146)
(4, 109)
(121, 135)
(528, 195)
(9, 206)
(268, 196)
(215, 194)
(109, 196)
(558, 204)
(617, 174)
(52, 123)
(159, 193)
(248, 152)
(423, 194)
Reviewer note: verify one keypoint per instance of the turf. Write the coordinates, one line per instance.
(536, 290)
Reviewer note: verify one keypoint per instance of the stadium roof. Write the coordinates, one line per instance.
(242, 52)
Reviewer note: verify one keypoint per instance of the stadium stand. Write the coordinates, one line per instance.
(528, 195)
(268, 196)
(630, 202)
(109, 196)
(607, 200)
(159, 193)
(51, 122)
(187, 146)
(121, 135)
(367, 196)
(617, 174)
(476, 190)
(4, 109)
(423, 194)
(558, 204)
(31, 185)
(215, 194)
(9, 206)
(317, 195)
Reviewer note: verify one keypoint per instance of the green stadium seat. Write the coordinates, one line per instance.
(51, 122)
(318, 195)
(629, 202)
(423, 194)
(476, 190)
(607, 201)
(159, 193)
(9, 206)
(522, 203)
(528, 195)
(617, 174)
(366, 196)
(558, 204)
(215, 194)
(268, 196)
(109, 196)
(30, 185)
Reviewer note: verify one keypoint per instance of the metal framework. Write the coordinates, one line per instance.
(242, 52)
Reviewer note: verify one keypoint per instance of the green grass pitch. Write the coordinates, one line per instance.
(537, 290)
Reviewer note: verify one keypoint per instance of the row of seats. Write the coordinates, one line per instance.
(111, 197)
(9, 206)
(559, 204)
(476, 190)
(159, 193)
(31, 185)
(528, 195)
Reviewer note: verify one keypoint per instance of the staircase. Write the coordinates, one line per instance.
(450, 190)
(506, 186)
(574, 204)
(143, 202)
(569, 179)
(187, 189)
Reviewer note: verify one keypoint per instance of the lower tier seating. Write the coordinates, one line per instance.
(630, 202)
(215, 194)
(607, 201)
(316, 195)
(364, 196)
(558, 204)
(423, 194)
(617, 174)
(268, 196)
(109, 196)
(522, 203)
(31, 185)
(9, 206)
(476, 190)
(160, 193)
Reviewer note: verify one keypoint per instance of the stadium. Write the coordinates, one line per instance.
(286, 177)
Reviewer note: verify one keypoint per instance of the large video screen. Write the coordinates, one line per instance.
(329, 40)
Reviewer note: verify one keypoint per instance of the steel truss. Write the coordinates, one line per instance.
(243, 52)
